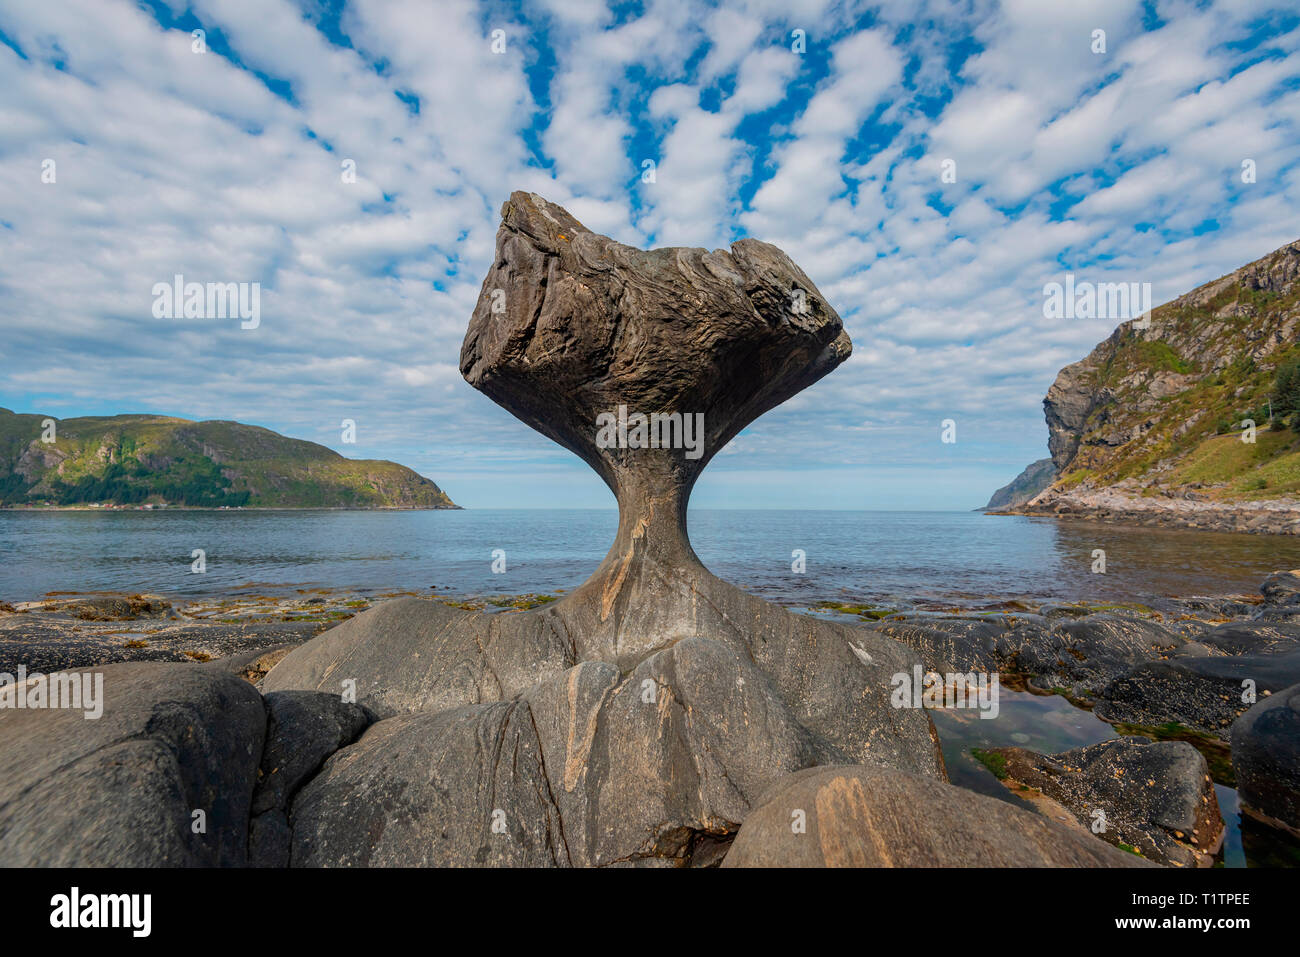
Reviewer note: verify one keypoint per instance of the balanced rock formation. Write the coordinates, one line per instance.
(635, 720)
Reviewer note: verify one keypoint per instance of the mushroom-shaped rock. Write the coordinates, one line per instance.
(676, 346)
(644, 364)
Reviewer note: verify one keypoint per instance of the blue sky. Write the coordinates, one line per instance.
(1122, 165)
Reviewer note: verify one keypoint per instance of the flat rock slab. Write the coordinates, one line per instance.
(856, 816)
(49, 642)
(1205, 693)
(1086, 655)
(121, 790)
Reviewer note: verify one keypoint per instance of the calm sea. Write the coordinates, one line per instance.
(950, 557)
(956, 557)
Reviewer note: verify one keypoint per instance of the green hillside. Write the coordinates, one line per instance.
(1161, 409)
(151, 459)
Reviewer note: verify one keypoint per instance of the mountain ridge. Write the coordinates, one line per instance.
(144, 459)
(1025, 486)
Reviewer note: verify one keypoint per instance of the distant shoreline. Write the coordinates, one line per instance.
(230, 508)
(1115, 507)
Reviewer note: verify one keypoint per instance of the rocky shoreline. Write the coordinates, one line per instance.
(64, 630)
(1185, 509)
(1168, 675)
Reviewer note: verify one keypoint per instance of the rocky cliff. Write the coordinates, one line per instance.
(1036, 477)
(1155, 424)
(153, 459)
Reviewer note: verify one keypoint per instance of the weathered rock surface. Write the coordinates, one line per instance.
(1156, 797)
(121, 790)
(589, 768)
(871, 817)
(1136, 670)
(1266, 759)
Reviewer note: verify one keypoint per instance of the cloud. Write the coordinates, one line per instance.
(231, 165)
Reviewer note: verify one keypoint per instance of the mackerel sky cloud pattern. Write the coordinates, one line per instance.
(225, 166)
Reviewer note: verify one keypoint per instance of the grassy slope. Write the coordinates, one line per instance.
(1217, 343)
(144, 458)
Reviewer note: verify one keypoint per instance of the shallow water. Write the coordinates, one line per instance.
(1049, 724)
(955, 557)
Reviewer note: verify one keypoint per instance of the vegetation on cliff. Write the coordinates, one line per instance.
(151, 459)
(1169, 408)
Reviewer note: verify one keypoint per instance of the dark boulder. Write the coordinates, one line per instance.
(1155, 797)
(1202, 692)
(1281, 588)
(269, 839)
(1266, 759)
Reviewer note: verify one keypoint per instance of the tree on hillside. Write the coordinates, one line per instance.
(1286, 393)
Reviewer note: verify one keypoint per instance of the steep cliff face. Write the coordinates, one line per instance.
(1160, 413)
(152, 459)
